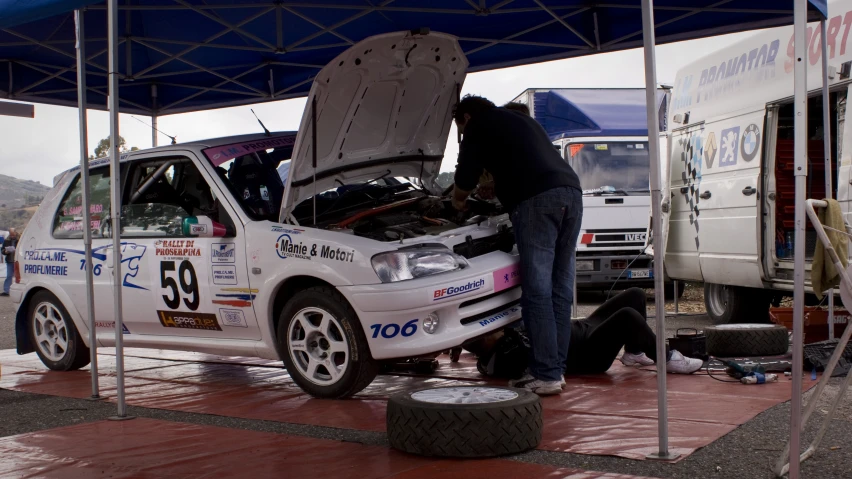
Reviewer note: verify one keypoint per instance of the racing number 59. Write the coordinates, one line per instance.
(189, 288)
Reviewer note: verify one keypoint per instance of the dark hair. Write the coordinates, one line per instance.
(471, 105)
(520, 107)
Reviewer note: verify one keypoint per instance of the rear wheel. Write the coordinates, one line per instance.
(56, 340)
(669, 290)
(733, 304)
(323, 346)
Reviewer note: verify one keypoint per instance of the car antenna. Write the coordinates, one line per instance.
(174, 138)
(261, 123)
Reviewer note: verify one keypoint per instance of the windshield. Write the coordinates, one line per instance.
(611, 167)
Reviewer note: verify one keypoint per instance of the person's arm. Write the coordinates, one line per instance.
(469, 167)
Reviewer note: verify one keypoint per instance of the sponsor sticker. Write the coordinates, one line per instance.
(233, 317)
(224, 274)
(454, 290)
(503, 314)
(236, 297)
(223, 253)
(287, 248)
(189, 320)
(176, 248)
(750, 142)
(111, 325)
(505, 278)
(730, 142)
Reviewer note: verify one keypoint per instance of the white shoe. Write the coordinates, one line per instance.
(679, 364)
(528, 377)
(640, 359)
(542, 388)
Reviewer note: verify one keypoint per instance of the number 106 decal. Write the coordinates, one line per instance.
(391, 330)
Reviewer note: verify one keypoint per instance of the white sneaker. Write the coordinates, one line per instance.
(631, 360)
(542, 388)
(679, 364)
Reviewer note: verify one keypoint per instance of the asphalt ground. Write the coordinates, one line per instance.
(746, 452)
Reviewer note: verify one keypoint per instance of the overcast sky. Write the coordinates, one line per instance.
(40, 148)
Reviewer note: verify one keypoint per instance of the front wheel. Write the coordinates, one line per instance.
(56, 339)
(323, 346)
(734, 304)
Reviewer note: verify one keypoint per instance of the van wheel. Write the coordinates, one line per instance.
(733, 304)
(56, 340)
(323, 346)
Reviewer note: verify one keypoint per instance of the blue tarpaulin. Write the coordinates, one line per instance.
(185, 55)
(570, 112)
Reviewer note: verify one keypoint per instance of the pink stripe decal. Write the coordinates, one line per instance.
(505, 278)
(220, 154)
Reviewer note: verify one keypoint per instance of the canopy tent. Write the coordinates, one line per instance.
(188, 55)
(205, 55)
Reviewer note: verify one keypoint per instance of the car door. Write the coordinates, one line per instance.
(683, 176)
(190, 282)
(726, 199)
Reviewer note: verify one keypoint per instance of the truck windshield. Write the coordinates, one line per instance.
(621, 168)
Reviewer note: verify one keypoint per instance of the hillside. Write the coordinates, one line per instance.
(15, 193)
(19, 200)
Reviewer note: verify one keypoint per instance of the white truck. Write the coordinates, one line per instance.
(603, 134)
(728, 201)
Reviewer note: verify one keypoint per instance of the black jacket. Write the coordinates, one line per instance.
(9, 257)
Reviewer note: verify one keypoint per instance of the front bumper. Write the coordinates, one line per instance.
(604, 274)
(468, 303)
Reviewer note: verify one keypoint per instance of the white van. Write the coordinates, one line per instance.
(729, 198)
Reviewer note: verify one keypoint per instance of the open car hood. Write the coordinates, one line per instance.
(383, 105)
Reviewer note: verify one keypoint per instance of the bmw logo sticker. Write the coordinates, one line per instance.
(750, 142)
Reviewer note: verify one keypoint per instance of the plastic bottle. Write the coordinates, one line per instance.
(758, 378)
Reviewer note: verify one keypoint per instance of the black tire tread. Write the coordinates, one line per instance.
(464, 432)
(727, 343)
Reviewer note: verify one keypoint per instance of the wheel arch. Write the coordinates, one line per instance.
(285, 290)
(22, 334)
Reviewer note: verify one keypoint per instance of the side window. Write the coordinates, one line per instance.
(160, 194)
(68, 223)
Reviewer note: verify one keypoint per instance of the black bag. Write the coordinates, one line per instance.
(508, 359)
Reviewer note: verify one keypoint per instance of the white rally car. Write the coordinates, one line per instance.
(357, 259)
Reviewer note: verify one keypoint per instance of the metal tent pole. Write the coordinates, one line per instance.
(826, 126)
(800, 125)
(659, 241)
(115, 206)
(154, 116)
(87, 199)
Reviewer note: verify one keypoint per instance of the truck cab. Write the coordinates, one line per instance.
(729, 205)
(603, 135)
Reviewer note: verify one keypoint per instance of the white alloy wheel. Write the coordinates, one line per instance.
(318, 346)
(717, 299)
(50, 331)
(464, 395)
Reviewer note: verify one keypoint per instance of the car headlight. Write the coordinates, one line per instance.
(402, 265)
(585, 265)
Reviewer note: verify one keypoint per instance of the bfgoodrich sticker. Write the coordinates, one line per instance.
(188, 320)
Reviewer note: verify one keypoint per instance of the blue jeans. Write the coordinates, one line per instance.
(10, 273)
(546, 227)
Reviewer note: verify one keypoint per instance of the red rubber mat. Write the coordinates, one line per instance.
(143, 448)
(608, 414)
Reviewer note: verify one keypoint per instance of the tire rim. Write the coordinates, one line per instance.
(464, 395)
(318, 346)
(745, 326)
(718, 299)
(51, 332)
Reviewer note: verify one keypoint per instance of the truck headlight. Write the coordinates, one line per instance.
(585, 265)
(402, 265)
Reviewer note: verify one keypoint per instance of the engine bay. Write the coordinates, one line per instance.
(390, 210)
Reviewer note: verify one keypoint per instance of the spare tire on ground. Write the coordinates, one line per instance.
(465, 421)
(729, 340)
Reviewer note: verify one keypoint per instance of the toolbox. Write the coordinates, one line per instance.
(692, 344)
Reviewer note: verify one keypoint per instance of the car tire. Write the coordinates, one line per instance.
(53, 334)
(323, 345)
(736, 340)
(669, 290)
(736, 305)
(437, 421)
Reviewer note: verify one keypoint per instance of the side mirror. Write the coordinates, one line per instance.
(204, 227)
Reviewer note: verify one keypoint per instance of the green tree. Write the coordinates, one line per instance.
(102, 150)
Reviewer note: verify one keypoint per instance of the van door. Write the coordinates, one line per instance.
(726, 200)
(684, 173)
(844, 153)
